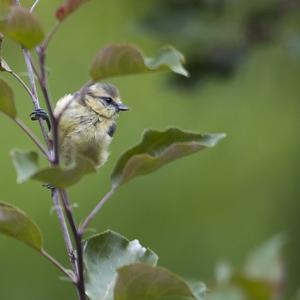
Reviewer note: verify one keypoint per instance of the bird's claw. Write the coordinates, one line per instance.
(49, 186)
(40, 113)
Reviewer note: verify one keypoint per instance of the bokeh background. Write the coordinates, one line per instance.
(244, 58)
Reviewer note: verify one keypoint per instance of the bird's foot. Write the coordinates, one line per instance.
(49, 186)
(39, 114)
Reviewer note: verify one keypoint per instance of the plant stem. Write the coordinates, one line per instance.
(44, 88)
(89, 218)
(20, 123)
(32, 137)
(55, 160)
(27, 58)
(78, 242)
(50, 35)
(41, 52)
(35, 100)
(64, 227)
(23, 84)
(68, 273)
(34, 5)
(42, 78)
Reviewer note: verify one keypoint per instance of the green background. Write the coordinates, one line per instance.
(212, 206)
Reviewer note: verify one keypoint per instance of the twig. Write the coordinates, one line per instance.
(41, 52)
(44, 88)
(33, 93)
(35, 100)
(77, 237)
(23, 84)
(42, 78)
(21, 124)
(28, 62)
(30, 134)
(36, 73)
(89, 218)
(64, 227)
(68, 273)
(50, 35)
(34, 5)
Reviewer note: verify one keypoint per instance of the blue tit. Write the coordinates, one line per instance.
(87, 122)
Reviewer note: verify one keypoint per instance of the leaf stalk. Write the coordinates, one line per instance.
(83, 227)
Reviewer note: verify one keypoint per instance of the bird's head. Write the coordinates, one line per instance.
(104, 99)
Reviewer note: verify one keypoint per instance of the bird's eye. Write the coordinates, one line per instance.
(107, 99)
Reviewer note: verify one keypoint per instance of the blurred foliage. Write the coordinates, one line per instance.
(261, 278)
(218, 35)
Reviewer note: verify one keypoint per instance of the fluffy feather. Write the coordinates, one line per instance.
(85, 123)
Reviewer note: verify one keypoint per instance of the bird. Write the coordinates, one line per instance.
(87, 123)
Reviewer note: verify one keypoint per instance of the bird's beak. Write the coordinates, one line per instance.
(122, 107)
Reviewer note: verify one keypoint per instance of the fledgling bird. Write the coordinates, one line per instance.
(87, 122)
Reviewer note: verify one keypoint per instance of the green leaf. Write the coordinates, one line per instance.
(157, 149)
(103, 255)
(64, 177)
(168, 57)
(142, 281)
(15, 223)
(7, 105)
(22, 27)
(265, 262)
(67, 8)
(26, 165)
(124, 59)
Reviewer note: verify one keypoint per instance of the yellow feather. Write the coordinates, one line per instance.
(85, 124)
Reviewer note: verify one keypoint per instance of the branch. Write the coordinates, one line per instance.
(35, 100)
(21, 124)
(44, 88)
(30, 72)
(68, 273)
(50, 35)
(33, 91)
(41, 52)
(32, 96)
(90, 217)
(64, 227)
(42, 78)
(34, 5)
(30, 134)
(77, 237)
